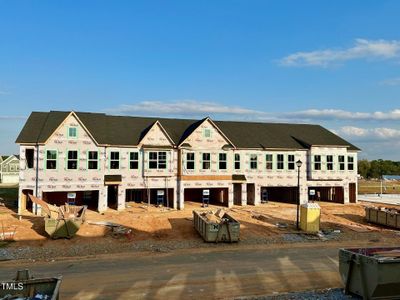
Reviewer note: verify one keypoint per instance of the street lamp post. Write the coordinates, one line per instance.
(298, 164)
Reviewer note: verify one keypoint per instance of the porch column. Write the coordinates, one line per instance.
(244, 194)
(230, 194)
(103, 194)
(121, 198)
(257, 196)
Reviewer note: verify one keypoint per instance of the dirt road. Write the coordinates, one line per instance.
(202, 274)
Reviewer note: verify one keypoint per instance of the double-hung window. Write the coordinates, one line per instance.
(207, 132)
(93, 160)
(114, 160)
(280, 164)
(329, 162)
(291, 162)
(317, 162)
(206, 165)
(222, 161)
(51, 159)
(237, 161)
(134, 160)
(341, 163)
(190, 161)
(72, 132)
(72, 160)
(350, 163)
(253, 162)
(269, 161)
(157, 160)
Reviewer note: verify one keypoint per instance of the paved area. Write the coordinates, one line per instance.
(391, 199)
(191, 274)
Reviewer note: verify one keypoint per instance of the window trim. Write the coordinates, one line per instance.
(157, 160)
(343, 163)
(291, 162)
(133, 160)
(282, 161)
(219, 161)
(56, 159)
(317, 162)
(110, 160)
(77, 159)
(207, 130)
(235, 161)
(330, 163)
(203, 160)
(269, 162)
(250, 161)
(68, 132)
(190, 160)
(33, 159)
(91, 160)
(350, 163)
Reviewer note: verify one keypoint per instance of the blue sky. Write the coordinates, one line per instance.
(334, 63)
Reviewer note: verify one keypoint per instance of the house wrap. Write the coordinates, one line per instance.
(104, 161)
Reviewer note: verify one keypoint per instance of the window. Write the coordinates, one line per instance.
(222, 161)
(269, 159)
(134, 160)
(329, 162)
(350, 163)
(29, 158)
(341, 163)
(290, 162)
(317, 162)
(72, 160)
(158, 160)
(72, 132)
(51, 159)
(237, 161)
(253, 161)
(280, 165)
(190, 161)
(207, 132)
(93, 160)
(206, 165)
(114, 160)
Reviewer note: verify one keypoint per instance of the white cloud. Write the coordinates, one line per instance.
(183, 107)
(370, 133)
(362, 49)
(391, 81)
(337, 114)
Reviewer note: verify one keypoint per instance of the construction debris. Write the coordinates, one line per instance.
(117, 230)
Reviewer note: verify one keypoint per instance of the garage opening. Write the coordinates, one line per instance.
(89, 198)
(164, 197)
(217, 196)
(26, 203)
(326, 194)
(279, 194)
(237, 193)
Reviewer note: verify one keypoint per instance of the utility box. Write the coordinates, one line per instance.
(310, 214)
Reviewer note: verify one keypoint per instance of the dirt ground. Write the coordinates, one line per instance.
(268, 223)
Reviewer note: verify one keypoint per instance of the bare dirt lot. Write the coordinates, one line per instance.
(163, 230)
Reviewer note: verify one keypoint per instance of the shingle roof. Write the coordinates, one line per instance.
(124, 130)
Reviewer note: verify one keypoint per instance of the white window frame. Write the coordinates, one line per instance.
(76, 159)
(342, 163)
(114, 160)
(291, 162)
(133, 160)
(237, 161)
(92, 160)
(51, 159)
(350, 163)
(160, 162)
(222, 161)
(191, 160)
(280, 164)
(329, 163)
(317, 162)
(206, 162)
(253, 161)
(269, 161)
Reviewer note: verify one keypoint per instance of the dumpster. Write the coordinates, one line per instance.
(63, 221)
(372, 273)
(213, 228)
(310, 217)
(383, 216)
(26, 287)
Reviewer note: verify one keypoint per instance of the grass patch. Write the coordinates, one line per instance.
(374, 187)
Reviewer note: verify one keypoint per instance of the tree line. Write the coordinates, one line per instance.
(377, 168)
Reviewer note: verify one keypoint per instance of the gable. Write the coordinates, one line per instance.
(206, 136)
(156, 136)
(60, 136)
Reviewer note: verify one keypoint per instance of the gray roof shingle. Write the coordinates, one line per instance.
(128, 131)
